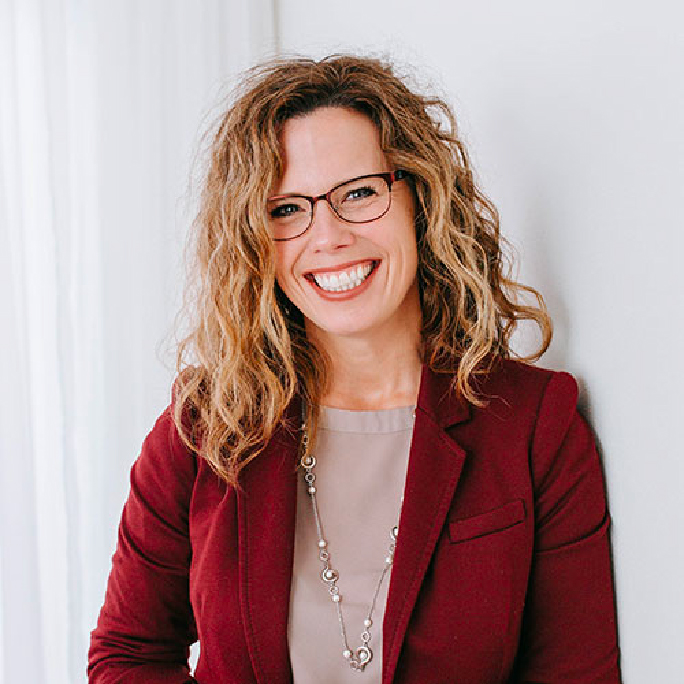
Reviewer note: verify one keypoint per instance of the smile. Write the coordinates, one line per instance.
(340, 281)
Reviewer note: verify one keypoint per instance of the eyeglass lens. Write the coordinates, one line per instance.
(358, 201)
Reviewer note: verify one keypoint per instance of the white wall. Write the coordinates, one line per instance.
(573, 112)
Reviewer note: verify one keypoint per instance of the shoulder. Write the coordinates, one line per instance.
(511, 378)
(511, 390)
(165, 436)
(165, 460)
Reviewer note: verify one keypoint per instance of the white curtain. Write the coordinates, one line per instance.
(101, 105)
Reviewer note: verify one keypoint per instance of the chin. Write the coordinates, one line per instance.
(352, 327)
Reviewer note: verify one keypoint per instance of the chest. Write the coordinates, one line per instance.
(456, 593)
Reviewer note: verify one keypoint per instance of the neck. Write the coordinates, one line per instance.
(378, 370)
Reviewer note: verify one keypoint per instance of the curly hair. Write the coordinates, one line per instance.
(247, 353)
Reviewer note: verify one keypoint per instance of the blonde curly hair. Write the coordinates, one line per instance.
(247, 353)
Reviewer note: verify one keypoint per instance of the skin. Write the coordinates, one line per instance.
(372, 338)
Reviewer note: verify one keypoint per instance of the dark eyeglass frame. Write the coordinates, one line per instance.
(390, 177)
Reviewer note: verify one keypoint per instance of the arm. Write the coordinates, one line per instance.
(569, 627)
(146, 624)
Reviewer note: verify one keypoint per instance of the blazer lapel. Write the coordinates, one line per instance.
(266, 517)
(434, 467)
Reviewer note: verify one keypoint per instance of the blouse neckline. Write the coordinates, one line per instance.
(378, 421)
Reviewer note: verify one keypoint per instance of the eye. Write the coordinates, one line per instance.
(360, 193)
(284, 211)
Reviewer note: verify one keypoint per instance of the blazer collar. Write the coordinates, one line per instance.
(438, 398)
(267, 514)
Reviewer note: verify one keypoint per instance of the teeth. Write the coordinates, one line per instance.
(346, 280)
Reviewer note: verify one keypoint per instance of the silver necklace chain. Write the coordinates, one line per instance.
(361, 656)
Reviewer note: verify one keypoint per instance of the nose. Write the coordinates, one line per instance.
(328, 230)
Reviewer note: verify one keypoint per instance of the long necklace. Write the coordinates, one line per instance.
(359, 658)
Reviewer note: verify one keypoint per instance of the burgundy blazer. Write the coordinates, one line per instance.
(502, 567)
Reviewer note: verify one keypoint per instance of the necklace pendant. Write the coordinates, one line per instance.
(361, 658)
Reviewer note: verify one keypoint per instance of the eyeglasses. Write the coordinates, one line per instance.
(359, 200)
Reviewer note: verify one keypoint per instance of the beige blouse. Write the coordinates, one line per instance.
(361, 462)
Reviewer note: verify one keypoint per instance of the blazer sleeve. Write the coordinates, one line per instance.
(569, 625)
(146, 624)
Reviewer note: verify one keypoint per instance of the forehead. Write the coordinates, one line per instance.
(326, 147)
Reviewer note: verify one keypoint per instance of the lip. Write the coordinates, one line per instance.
(340, 267)
(345, 294)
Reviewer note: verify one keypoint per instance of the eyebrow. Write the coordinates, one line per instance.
(283, 195)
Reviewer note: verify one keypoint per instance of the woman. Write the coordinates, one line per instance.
(353, 481)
